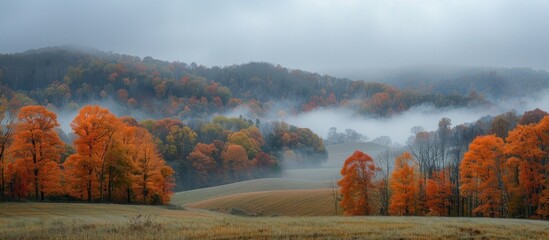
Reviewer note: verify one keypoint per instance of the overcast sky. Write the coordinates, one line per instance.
(333, 37)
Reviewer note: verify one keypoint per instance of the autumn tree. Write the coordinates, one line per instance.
(153, 179)
(438, 193)
(481, 174)
(528, 150)
(533, 116)
(95, 128)
(357, 184)
(203, 163)
(235, 161)
(37, 149)
(179, 143)
(404, 186)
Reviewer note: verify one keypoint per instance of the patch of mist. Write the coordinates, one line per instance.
(398, 127)
(66, 116)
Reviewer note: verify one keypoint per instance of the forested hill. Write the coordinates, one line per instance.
(493, 83)
(67, 77)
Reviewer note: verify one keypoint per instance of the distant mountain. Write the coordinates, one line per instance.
(493, 83)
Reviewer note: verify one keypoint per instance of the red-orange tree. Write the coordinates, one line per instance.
(94, 127)
(481, 177)
(528, 149)
(438, 192)
(152, 180)
(404, 184)
(203, 162)
(236, 163)
(37, 149)
(357, 184)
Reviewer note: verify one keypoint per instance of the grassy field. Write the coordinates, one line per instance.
(315, 202)
(272, 208)
(110, 221)
(264, 184)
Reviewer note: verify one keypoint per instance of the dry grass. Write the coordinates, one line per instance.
(315, 202)
(264, 184)
(95, 221)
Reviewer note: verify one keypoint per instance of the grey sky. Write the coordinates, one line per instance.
(334, 37)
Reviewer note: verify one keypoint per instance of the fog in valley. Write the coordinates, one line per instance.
(398, 127)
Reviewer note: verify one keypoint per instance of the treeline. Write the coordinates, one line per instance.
(65, 78)
(111, 160)
(201, 153)
(493, 83)
(226, 150)
(502, 172)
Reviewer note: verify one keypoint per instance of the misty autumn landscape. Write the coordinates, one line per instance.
(274, 119)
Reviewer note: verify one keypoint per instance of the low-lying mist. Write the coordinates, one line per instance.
(398, 127)
(321, 120)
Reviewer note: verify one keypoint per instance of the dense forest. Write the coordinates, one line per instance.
(494, 167)
(171, 115)
(66, 78)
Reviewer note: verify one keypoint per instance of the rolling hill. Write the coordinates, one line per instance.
(264, 184)
(309, 202)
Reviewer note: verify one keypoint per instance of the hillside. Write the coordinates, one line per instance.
(263, 184)
(66, 77)
(316, 202)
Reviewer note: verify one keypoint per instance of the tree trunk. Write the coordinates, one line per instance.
(89, 191)
(36, 184)
(109, 186)
(102, 175)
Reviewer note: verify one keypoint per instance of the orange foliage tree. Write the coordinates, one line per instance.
(438, 192)
(357, 183)
(481, 173)
(404, 184)
(95, 128)
(153, 180)
(202, 160)
(235, 162)
(37, 149)
(115, 158)
(528, 150)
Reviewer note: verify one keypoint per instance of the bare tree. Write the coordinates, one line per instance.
(7, 119)
(335, 194)
(385, 163)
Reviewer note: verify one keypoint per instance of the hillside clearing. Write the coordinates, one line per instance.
(263, 184)
(110, 221)
(317, 202)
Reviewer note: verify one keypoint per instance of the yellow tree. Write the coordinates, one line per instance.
(37, 148)
(357, 183)
(404, 184)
